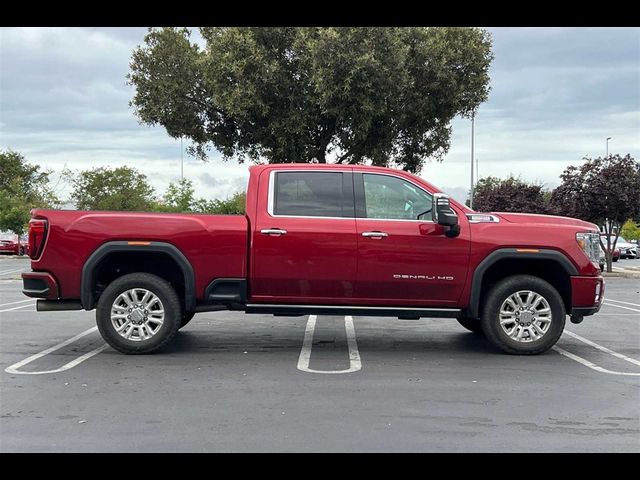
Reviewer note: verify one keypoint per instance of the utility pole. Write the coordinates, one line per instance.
(181, 160)
(608, 138)
(473, 116)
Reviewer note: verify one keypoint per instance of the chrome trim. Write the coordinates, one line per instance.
(273, 231)
(491, 218)
(375, 234)
(347, 307)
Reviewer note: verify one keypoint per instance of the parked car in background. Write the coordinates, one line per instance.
(627, 249)
(9, 244)
(603, 259)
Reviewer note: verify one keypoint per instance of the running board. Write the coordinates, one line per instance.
(402, 312)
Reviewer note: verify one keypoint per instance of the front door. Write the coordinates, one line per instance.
(304, 242)
(404, 259)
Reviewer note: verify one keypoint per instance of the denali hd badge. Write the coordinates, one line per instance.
(422, 277)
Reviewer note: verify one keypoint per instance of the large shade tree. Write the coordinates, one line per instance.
(603, 190)
(380, 95)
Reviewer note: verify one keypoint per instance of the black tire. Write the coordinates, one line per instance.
(170, 304)
(616, 259)
(491, 315)
(472, 324)
(186, 318)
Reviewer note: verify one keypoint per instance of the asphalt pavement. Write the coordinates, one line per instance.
(236, 382)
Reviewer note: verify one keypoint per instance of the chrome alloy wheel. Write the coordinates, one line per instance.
(525, 316)
(137, 314)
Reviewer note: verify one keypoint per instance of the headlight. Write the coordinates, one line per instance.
(590, 244)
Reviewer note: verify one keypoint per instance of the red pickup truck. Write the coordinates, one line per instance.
(320, 239)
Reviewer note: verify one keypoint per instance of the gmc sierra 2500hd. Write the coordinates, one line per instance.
(320, 239)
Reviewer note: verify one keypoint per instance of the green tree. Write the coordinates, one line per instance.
(234, 205)
(300, 94)
(22, 187)
(179, 197)
(512, 194)
(630, 230)
(604, 191)
(104, 188)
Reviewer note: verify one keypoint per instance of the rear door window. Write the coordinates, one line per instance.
(311, 194)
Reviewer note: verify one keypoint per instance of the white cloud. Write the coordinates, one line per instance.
(556, 95)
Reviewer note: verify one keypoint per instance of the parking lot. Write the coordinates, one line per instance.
(236, 382)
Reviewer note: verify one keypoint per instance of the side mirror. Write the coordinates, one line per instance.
(443, 214)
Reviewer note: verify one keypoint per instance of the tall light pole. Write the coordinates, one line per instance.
(608, 138)
(473, 117)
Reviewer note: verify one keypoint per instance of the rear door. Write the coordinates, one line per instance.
(404, 259)
(304, 247)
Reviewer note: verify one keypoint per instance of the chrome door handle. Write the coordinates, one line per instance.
(375, 234)
(273, 231)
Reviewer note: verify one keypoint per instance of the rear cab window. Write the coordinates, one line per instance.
(312, 194)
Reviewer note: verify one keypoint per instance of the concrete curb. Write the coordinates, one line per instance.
(627, 274)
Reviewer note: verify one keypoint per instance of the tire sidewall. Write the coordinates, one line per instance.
(491, 318)
(159, 287)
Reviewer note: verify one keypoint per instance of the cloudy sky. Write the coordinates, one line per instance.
(557, 93)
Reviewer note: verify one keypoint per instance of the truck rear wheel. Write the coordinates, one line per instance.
(523, 315)
(472, 324)
(138, 313)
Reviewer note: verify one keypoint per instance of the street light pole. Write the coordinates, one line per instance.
(608, 138)
(473, 116)
(181, 161)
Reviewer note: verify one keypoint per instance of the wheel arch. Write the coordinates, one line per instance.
(163, 250)
(504, 262)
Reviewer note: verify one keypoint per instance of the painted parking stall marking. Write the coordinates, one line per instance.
(14, 369)
(7, 272)
(592, 365)
(31, 303)
(355, 363)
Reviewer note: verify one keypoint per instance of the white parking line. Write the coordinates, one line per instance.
(603, 349)
(625, 303)
(13, 369)
(19, 301)
(305, 353)
(620, 306)
(6, 272)
(18, 307)
(591, 365)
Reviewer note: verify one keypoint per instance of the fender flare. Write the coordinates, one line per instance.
(88, 270)
(473, 310)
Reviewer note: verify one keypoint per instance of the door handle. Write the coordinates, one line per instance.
(375, 234)
(273, 231)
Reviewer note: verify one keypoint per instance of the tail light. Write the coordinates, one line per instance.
(37, 235)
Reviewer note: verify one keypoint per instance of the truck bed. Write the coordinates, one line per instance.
(216, 245)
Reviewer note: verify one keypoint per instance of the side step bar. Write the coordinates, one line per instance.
(412, 312)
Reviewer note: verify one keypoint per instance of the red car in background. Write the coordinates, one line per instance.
(11, 244)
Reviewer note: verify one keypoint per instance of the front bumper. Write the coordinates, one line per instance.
(587, 294)
(40, 285)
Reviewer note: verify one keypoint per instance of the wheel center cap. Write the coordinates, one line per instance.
(526, 316)
(137, 315)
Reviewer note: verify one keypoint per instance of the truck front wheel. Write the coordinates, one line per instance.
(138, 313)
(523, 315)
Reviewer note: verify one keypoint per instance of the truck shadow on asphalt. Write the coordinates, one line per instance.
(439, 344)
